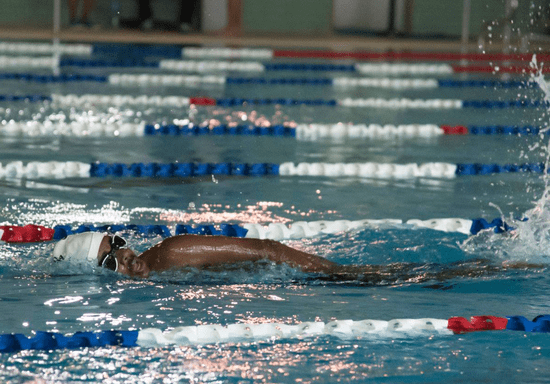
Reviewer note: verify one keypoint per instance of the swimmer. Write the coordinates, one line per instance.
(182, 251)
(206, 252)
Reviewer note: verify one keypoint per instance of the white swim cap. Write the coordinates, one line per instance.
(80, 248)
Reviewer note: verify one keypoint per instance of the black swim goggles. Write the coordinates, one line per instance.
(110, 261)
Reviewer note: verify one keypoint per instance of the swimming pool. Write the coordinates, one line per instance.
(38, 297)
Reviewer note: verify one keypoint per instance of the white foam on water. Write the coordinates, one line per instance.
(529, 240)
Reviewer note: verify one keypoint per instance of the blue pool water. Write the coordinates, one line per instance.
(38, 296)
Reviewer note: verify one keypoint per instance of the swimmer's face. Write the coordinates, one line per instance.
(128, 263)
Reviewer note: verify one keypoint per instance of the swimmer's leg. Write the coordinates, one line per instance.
(406, 273)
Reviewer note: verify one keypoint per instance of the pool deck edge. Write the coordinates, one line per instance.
(334, 42)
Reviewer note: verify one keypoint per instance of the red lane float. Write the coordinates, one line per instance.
(456, 130)
(28, 234)
(477, 323)
(434, 56)
(202, 101)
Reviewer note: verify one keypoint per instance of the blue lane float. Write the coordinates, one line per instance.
(540, 324)
(233, 102)
(182, 169)
(278, 81)
(492, 104)
(129, 62)
(138, 51)
(222, 129)
(47, 341)
(498, 225)
(28, 98)
(63, 78)
(487, 130)
(488, 169)
(231, 230)
(486, 84)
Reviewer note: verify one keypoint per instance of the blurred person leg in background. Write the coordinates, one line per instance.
(144, 18)
(234, 19)
(187, 13)
(145, 15)
(87, 7)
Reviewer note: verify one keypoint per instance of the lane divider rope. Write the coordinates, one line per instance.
(275, 231)
(237, 53)
(252, 66)
(211, 66)
(396, 103)
(515, 69)
(74, 129)
(302, 132)
(125, 79)
(75, 169)
(417, 83)
(169, 51)
(118, 100)
(312, 132)
(364, 68)
(166, 80)
(127, 62)
(45, 48)
(416, 69)
(227, 53)
(50, 78)
(88, 49)
(28, 61)
(238, 332)
(133, 50)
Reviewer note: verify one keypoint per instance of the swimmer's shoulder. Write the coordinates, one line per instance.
(182, 242)
(187, 241)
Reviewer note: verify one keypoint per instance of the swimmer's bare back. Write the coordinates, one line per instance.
(200, 251)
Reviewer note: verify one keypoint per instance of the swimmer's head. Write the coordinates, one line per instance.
(114, 255)
(107, 254)
(101, 250)
(82, 248)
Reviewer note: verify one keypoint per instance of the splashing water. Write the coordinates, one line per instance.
(529, 241)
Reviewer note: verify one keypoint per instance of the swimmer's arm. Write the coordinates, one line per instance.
(522, 265)
(206, 251)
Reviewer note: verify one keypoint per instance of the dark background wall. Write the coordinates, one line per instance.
(438, 18)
